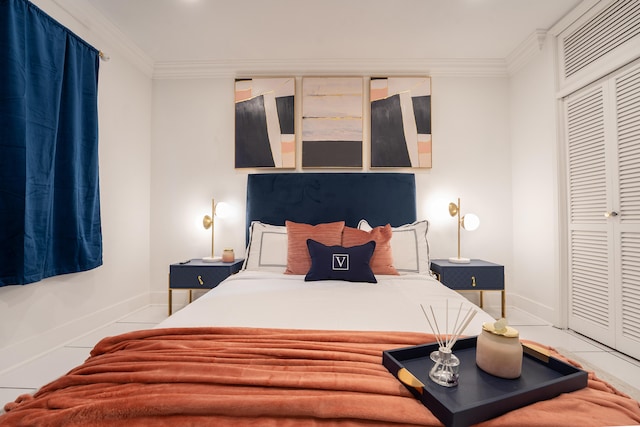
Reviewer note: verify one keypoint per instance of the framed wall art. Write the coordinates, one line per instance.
(401, 122)
(332, 122)
(264, 123)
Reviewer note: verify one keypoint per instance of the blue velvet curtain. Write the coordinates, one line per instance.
(49, 192)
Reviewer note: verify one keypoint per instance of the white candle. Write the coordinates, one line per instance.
(499, 351)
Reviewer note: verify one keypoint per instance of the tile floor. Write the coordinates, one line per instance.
(30, 376)
(625, 368)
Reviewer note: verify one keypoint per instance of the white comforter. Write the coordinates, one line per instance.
(273, 300)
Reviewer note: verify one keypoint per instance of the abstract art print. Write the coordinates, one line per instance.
(332, 122)
(265, 125)
(401, 122)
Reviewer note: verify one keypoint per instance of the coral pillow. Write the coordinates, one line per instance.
(382, 259)
(298, 258)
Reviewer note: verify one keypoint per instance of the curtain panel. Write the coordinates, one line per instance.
(49, 189)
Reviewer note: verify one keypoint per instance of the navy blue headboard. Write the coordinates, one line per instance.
(314, 198)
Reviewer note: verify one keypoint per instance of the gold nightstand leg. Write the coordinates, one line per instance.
(170, 301)
(170, 295)
(481, 299)
(504, 300)
(190, 296)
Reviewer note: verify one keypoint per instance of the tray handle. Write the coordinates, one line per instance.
(408, 379)
(539, 353)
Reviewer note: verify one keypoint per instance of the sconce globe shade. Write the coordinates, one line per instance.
(223, 210)
(470, 222)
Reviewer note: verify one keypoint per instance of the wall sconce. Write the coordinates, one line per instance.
(468, 222)
(221, 210)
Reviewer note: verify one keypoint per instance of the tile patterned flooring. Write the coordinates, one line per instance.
(28, 377)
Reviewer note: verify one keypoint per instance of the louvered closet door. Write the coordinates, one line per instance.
(602, 125)
(591, 293)
(627, 223)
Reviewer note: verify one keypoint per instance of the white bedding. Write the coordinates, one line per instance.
(273, 300)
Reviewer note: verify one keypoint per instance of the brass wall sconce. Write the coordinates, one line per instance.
(221, 210)
(469, 222)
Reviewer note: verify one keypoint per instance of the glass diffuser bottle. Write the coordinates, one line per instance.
(445, 368)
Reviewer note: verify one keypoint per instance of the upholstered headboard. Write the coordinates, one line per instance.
(314, 198)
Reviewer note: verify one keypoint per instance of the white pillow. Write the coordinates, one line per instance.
(409, 246)
(267, 248)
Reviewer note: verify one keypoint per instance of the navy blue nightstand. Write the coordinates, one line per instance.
(477, 275)
(197, 274)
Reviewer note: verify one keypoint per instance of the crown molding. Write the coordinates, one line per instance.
(100, 28)
(314, 66)
(526, 51)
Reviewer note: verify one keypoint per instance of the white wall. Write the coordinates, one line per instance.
(536, 281)
(38, 316)
(166, 148)
(193, 161)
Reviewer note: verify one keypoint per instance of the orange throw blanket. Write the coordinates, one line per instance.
(267, 377)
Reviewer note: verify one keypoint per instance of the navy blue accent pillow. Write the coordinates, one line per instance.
(338, 263)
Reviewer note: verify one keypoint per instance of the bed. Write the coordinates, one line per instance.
(274, 349)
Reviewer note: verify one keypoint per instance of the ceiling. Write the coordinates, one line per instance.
(206, 30)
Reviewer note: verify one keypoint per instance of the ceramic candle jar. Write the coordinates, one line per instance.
(228, 255)
(499, 351)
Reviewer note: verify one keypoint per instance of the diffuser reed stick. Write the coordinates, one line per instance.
(448, 340)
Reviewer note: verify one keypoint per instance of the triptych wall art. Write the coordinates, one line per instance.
(332, 122)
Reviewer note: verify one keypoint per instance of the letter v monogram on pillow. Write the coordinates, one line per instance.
(340, 262)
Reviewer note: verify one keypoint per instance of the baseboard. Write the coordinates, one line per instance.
(542, 311)
(160, 297)
(36, 346)
(180, 297)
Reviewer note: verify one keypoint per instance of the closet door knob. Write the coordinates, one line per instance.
(610, 214)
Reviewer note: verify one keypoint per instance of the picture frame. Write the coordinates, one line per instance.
(401, 135)
(265, 135)
(332, 114)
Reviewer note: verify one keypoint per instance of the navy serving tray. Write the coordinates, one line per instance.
(480, 396)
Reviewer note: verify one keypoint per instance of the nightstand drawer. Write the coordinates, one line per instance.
(477, 275)
(197, 274)
(481, 279)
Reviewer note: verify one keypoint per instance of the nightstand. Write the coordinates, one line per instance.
(477, 275)
(197, 274)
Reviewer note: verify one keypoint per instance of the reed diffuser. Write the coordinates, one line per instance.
(445, 370)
